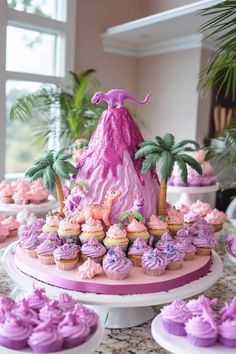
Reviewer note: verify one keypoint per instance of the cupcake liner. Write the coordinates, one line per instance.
(86, 236)
(202, 251)
(217, 227)
(175, 328)
(144, 235)
(13, 233)
(189, 256)
(48, 348)
(7, 200)
(123, 246)
(30, 252)
(46, 259)
(49, 228)
(227, 342)
(136, 261)
(201, 342)
(13, 344)
(157, 232)
(175, 227)
(116, 275)
(97, 260)
(153, 272)
(174, 265)
(68, 265)
(73, 342)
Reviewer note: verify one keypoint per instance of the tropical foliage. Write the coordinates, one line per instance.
(221, 70)
(165, 153)
(54, 112)
(130, 215)
(53, 167)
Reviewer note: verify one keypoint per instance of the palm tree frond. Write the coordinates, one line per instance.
(166, 165)
(191, 162)
(169, 140)
(146, 150)
(49, 178)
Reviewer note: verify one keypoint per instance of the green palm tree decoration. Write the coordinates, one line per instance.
(221, 70)
(165, 153)
(53, 167)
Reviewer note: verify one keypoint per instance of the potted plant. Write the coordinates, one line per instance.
(53, 167)
(164, 153)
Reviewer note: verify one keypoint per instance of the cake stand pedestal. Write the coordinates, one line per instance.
(181, 345)
(118, 311)
(189, 195)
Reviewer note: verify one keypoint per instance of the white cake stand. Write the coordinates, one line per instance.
(181, 345)
(189, 195)
(6, 243)
(118, 311)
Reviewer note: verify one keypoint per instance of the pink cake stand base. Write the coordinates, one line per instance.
(118, 311)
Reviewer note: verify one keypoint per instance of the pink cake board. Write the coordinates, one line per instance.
(181, 345)
(136, 283)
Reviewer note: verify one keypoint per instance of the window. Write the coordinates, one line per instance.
(38, 49)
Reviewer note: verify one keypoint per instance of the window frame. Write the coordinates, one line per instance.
(66, 51)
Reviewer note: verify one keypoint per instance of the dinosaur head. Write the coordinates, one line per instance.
(97, 97)
(113, 194)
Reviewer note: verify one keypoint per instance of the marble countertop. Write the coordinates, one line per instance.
(138, 340)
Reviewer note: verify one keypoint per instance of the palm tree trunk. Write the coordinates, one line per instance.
(60, 195)
(162, 199)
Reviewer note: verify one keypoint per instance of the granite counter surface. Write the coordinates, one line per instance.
(138, 340)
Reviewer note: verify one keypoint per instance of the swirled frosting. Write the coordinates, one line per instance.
(116, 231)
(191, 216)
(174, 216)
(165, 238)
(46, 248)
(11, 223)
(7, 191)
(92, 225)
(45, 334)
(202, 326)
(21, 197)
(37, 299)
(176, 312)
(15, 328)
(173, 254)
(121, 264)
(7, 303)
(228, 311)
(204, 240)
(66, 301)
(24, 312)
(227, 329)
(30, 243)
(53, 311)
(138, 247)
(70, 328)
(185, 247)
(136, 226)
(66, 251)
(183, 208)
(155, 222)
(215, 217)
(93, 248)
(53, 219)
(89, 269)
(196, 306)
(4, 231)
(201, 208)
(69, 224)
(154, 259)
(86, 315)
(115, 252)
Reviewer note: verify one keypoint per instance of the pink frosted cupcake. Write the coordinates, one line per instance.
(202, 331)
(69, 230)
(136, 251)
(216, 218)
(175, 316)
(184, 209)
(137, 229)
(116, 236)
(52, 311)
(93, 249)
(13, 226)
(174, 219)
(116, 267)
(92, 228)
(29, 245)
(157, 225)
(52, 222)
(6, 194)
(175, 257)
(89, 269)
(21, 197)
(190, 218)
(154, 262)
(73, 332)
(45, 252)
(46, 338)
(14, 333)
(66, 256)
(201, 208)
(4, 232)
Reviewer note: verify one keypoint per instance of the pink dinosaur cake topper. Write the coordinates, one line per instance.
(116, 97)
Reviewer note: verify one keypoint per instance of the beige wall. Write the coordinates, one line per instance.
(154, 6)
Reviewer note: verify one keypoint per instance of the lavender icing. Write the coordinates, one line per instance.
(154, 259)
(67, 251)
(93, 248)
(138, 247)
(176, 312)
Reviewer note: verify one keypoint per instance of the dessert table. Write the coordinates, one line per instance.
(139, 339)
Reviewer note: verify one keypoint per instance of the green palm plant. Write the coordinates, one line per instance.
(54, 112)
(165, 153)
(53, 167)
(221, 69)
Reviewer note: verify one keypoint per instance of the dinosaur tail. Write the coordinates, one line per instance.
(136, 100)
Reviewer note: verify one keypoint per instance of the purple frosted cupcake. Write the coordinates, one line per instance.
(45, 251)
(52, 310)
(136, 251)
(93, 249)
(116, 267)
(25, 313)
(46, 338)
(183, 235)
(204, 243)
(52, 236)
(7, 303)
(202, 331)
(37, 299)
(73, 331)
(227, 333)
(165, 238)
(174, 317)
(188, 248)
(196, 306)
(175, 257)
(67, 303)
(66, 257)
(87, 316)
(14, 333)
(154, 262)
(29, 246)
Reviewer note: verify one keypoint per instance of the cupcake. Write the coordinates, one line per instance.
(66, 302)
(116, 236)
(69, 230)
(157, 225)
(4, 232)
(12, 225)
(194, 179)
(73, 331)
(24, 312)
(200, 208)
(174, 219)
(196, 306)
(204, 243)
(116, 267)
(6, 303)
(154, 262)
(165, 238)
(137, 229)
(51, 311)
(92, 228)
(45, 251)
(184, 209)
(202, 331)
(86, 315)
(52, 236)
(175, 257)
(93, 249)
(14, 333)
(216, 218)
(37, 299)
(174, 317)
(227, 333)
(183, 235)
(228, 311)
(52, 222)
(67, 256)
(190, 218)
(46, 338)
(188, 248)
(6, 194)
(29, 246)
(89, 269)
(136, 251)
(21, 197)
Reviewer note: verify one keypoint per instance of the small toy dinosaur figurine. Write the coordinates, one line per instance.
(98, 212)
(116, 97)
(138, 205)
